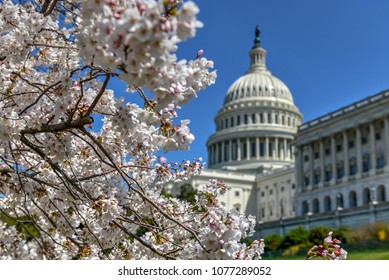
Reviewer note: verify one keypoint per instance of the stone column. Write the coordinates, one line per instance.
(311, 167)
(333, 159)
(217, 152)
(275, 155)
(386, 142)
(238, 150)
(345, 156)
(373, 153)
(277, 202)
(299, 168)
(257, 147)
(230, 150)
(214, 154)
(358, 149)
(285, 149)
(248, 150)
(322, 161)
(209, 155)
(267, 147)
(223, 152)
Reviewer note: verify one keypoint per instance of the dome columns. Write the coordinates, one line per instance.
(250, 149)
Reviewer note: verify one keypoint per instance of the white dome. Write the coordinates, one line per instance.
(256, 125)
(258, 85)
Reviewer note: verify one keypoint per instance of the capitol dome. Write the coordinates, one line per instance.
(255, 127)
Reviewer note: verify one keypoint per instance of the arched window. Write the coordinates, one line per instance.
(381, 193)
(339, 201)
(352, 197)
(315, 206)
(366, 196)
(282, 207)
(304, 208)
(327, 203)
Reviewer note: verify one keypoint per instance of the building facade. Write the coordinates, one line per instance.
(330, 171)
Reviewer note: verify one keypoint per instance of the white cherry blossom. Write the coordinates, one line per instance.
(72, 189)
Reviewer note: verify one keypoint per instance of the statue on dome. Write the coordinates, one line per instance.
(257, 41)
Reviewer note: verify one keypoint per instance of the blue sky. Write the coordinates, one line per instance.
(329, 53)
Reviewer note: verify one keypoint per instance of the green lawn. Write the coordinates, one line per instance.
(371, 254)
(375, 254)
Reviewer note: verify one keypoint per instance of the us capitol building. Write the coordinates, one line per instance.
(331, 171)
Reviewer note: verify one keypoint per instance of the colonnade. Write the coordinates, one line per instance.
(358, 151)
(250, 148)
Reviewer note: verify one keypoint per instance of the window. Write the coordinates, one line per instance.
(238, 120)
(253, 149)
(246, 119)
(340, 172)
(232, 121)
(276, 118)
(261, 118)
(226, 123)
(237, 193)
(353, 199)
(244, 150)
(328, 175)
(378, 136)
(304, 208)
(282, 207)
(315, 206)
(306, 181)
(364, 140)
(327, 152)
(339, 148)
(306, 158)
(253, 118)
(366, 165)
(353, 169)
(270, 149)
(351, 144)
(380, 162)
(366, 196)
(262, 149)
(316, 155)
(339, 201)
(317, 178)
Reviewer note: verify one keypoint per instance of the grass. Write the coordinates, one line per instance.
(370, 254)
(373, 254)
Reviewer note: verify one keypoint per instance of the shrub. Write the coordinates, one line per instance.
(297, 236)
(273, 242)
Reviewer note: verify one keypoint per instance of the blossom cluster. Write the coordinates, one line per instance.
(330, 250)
(139, 38)
(71, 188)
